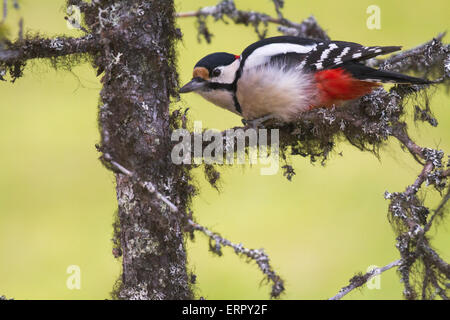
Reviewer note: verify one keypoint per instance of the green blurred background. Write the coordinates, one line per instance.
(57, 202)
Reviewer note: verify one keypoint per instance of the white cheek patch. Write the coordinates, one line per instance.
(262, 55)
(338, 59)
(228, 73)
(326, 52)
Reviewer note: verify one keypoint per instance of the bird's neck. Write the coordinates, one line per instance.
(221, 97)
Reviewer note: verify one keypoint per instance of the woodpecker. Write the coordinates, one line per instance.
(281, 77)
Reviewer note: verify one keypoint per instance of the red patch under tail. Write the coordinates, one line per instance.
(337, 85)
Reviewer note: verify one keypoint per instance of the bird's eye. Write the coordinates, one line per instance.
(216, 72)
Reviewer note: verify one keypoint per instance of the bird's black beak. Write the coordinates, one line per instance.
(195, 84)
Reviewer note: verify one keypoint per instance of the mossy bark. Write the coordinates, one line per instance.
(138, 61)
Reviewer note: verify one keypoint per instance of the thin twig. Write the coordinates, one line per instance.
(308, 28)
(239, 16)
(278, 5)
(33, 48)
(439, 210)
(242, 15)
(259, 256)
(20, 33)
(145, 184)
(358, 281)
(399, 132)
(437, 261)
(5, 10)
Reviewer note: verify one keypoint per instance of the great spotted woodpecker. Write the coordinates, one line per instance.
(281, 77)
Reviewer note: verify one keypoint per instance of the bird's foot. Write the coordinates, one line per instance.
(258, 122)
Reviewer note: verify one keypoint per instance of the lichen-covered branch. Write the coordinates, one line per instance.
(38, 47)
(440, 210)
(14, 55)
(422, 59)
(258, 255)
(216, 241)
(361, 279)
(409, 217)
(227, 8)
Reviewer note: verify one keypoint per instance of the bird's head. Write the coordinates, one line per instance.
(213, 72)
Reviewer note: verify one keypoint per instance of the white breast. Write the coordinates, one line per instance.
(277, 90)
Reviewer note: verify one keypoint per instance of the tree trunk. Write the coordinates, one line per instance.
(138, 58)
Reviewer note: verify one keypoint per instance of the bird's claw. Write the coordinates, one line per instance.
(258, 122)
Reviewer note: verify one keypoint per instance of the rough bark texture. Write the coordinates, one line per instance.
(140, 78)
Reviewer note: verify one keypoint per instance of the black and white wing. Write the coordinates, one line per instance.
(331, 54)
(268, 50)
(316, 55)
(310, 54)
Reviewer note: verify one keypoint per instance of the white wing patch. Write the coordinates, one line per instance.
(325, 54)
(327, 51)
(263, 54)
(338, 59)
